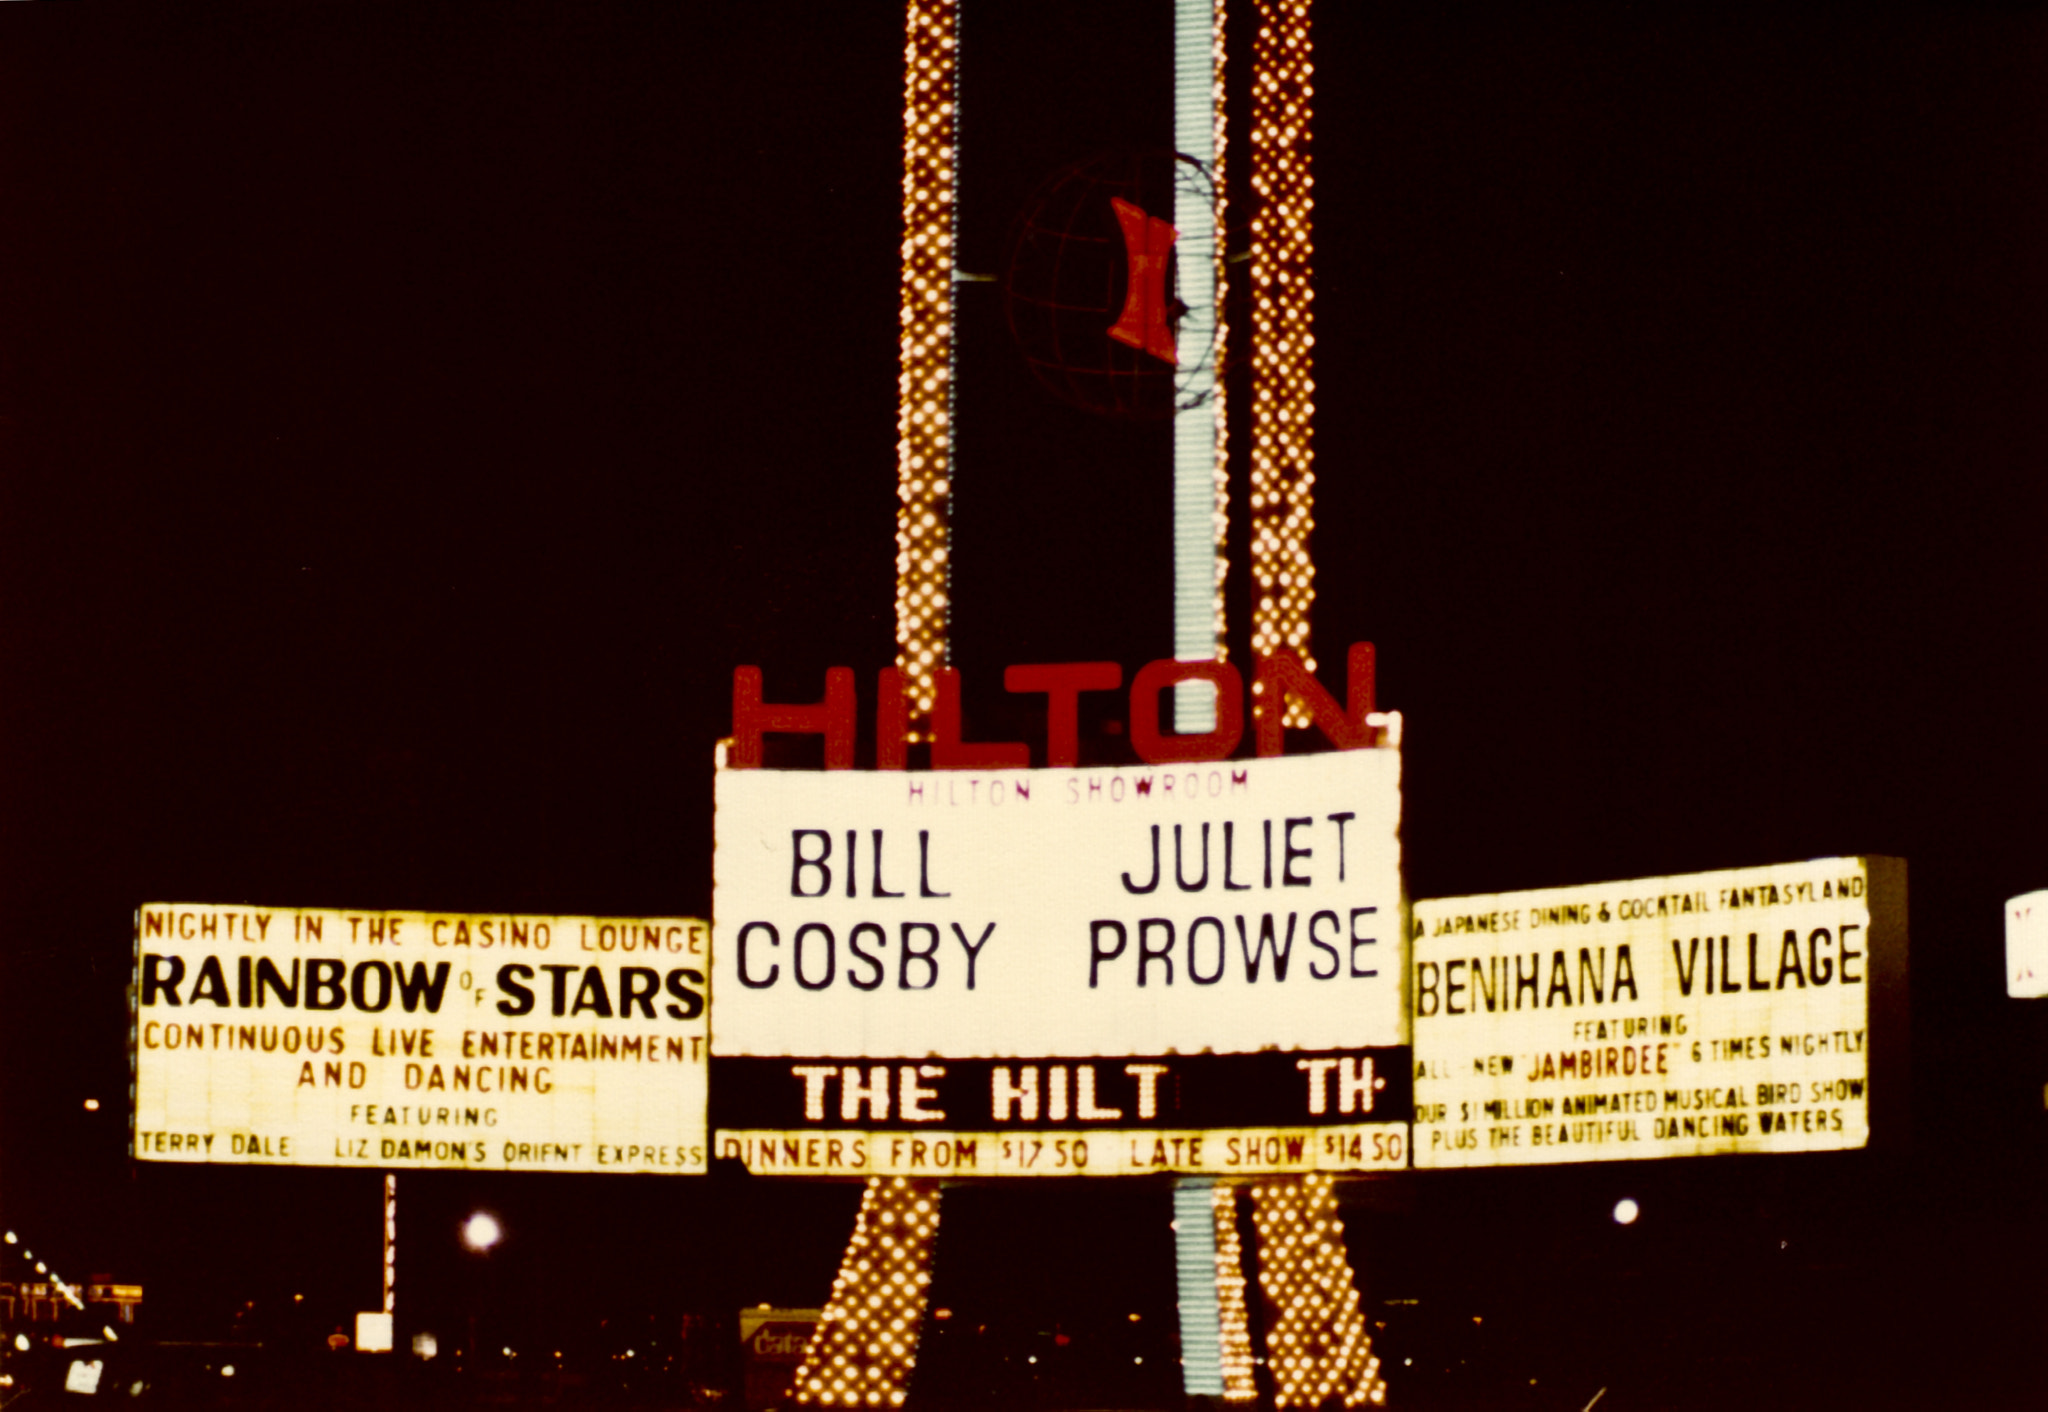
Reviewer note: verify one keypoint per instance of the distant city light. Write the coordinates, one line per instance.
(1626, 1211)
(227, 1370)
(481, 1231)
(10, 1237)
(21, 1342)
(92, 1105)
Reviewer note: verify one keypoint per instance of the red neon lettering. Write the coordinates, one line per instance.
(950, 752)
(752, 718)
(1282, 675)
(1063, 683)
(1156, 748)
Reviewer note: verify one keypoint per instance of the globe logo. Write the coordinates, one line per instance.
(1093, 287)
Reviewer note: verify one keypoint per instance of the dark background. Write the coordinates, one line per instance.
(410, 414)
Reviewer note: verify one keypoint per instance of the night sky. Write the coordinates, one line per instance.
(411, 413)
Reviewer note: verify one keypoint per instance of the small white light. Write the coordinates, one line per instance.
(481, 1231)
(1626, 1211)
(21, 1342)
(227, 1370)
(92, 1105)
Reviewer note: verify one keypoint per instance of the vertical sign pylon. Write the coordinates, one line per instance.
(1316, 1340)
(865, 1347)
(924, 388)
(1233, 1315)
(1282, 340)
(1201, 486)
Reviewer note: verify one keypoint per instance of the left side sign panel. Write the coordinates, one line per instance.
(315, 1037)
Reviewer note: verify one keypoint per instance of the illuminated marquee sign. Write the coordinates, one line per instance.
(1712, 1013)
(307, 1037)
(1192, 966)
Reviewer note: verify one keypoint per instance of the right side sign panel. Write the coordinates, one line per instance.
(1664, 1017)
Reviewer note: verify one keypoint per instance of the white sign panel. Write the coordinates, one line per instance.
(2026, 946)
(1063, 972)
(1710, 1013)
(409, 1039)
(1226, 907)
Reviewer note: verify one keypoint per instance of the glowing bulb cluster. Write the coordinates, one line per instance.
(864, 1348)
(1233, 1318)
(1316, 1341)
(924, 387)
(1283, 338)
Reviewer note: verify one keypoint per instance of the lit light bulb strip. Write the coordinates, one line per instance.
(924, 388)
(862, 1352)
(1200, 484)
(390, 1242)
(1283, 338)
(1316, 1341)
(1233, 1317)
